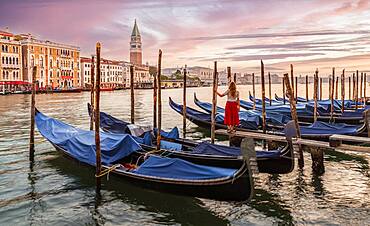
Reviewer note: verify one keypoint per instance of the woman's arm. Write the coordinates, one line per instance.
(222, 94)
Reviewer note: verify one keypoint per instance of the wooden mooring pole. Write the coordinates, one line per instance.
(284, 94)
(270, 88)
(132, 68)
(291, 79)
(332, 96)
(336, 87)
(155, 93)
(235, 78)
(214, 103)
(92, 99)
(228, 75)
(349, 87)
(362, 79)
(365, 85)
(97, 118)
(184, 105)
(329, 94)
(33, 111)
(343, 94)
(320, 88)
(263, 97)
(356, 99)
(307, 87)
(354, 86)
(294, 117)
(254, 92)
(159, 100)
(315, 87)
(296, 89)
(317, 154)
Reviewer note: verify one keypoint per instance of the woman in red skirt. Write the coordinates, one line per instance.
(231, 118)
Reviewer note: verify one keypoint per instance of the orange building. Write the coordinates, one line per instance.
(58, 64)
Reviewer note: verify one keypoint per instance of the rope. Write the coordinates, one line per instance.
(107, 171)
(150, 152)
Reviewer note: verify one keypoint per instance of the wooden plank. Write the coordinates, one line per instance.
(303, 142)
(350, 138)
(254, 135)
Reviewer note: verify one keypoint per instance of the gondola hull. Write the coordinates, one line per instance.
(239, 188)
(281, 165)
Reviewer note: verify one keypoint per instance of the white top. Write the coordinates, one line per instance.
(231, 98)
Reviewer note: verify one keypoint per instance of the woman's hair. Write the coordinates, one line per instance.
(232, 89)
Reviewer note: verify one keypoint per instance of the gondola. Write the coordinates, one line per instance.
(155, 172)
(316, 131)
(280, 161)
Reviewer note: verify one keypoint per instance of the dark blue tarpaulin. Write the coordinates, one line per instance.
(329, 128)
(206, 148)
(180, 169)
(81, 143)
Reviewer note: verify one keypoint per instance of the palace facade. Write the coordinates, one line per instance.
(58, 64)
(11, 59)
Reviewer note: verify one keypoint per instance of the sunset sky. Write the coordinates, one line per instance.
(309, 34)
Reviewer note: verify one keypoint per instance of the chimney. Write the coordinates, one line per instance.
(7, 29)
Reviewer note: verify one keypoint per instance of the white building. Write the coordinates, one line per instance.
(112, 73)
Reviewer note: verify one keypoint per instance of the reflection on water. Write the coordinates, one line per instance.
(57, 191)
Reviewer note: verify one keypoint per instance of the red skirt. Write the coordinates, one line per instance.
(231, 113)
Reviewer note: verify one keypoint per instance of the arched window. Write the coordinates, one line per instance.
(7, 75)
(42, 74)
(51, 63)
(17, 75)
(16, 60)
(3, 74)
(6, 60)
(32, 61)
(6, 48)
(13, 60)
(51, 74)
(13, 75)
(3, 60)
(41, 61)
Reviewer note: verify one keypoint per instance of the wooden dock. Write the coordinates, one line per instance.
(336, 142)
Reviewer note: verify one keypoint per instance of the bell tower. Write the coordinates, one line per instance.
(135, 46)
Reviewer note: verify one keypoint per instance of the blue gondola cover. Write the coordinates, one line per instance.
(319, 128)
(81, 143)
(180, 169)
(206, 148)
